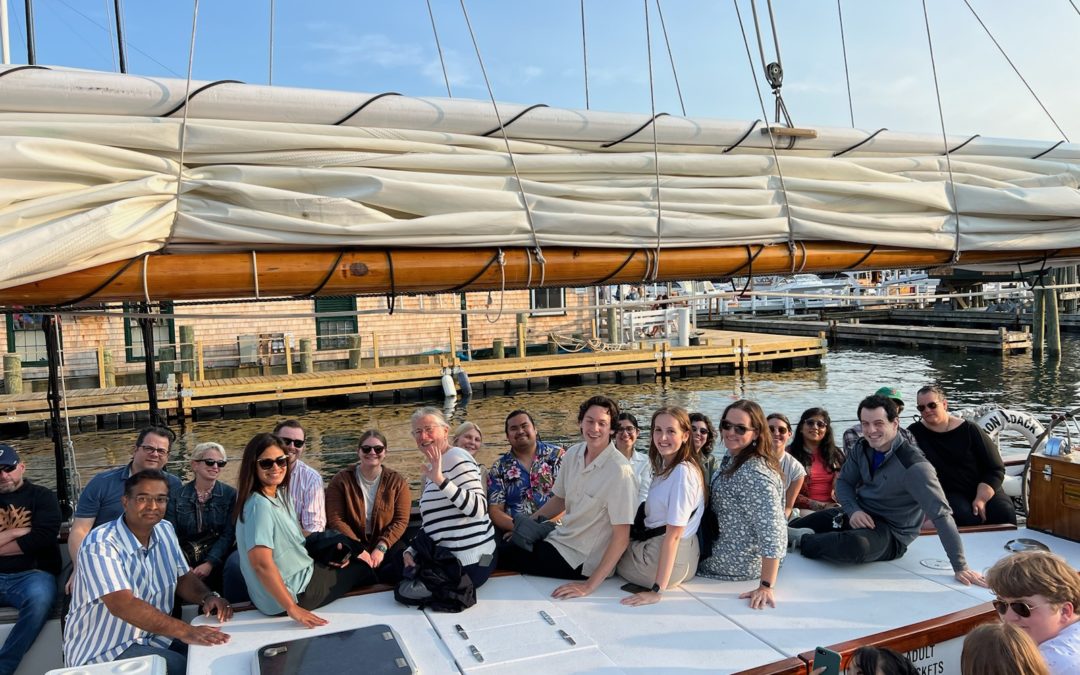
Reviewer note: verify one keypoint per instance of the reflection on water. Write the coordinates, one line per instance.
(846, 375)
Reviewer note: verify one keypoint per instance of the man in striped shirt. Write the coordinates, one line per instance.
(129, 572)
(306, 485)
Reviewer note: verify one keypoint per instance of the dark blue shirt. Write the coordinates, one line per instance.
(100, 499)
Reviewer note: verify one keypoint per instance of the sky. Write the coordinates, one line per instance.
(533, 53)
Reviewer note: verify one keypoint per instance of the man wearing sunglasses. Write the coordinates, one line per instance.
(1039, 593)
(885, 487)
(305, 485)
(29, 555)
(100, 503)
(967, 461)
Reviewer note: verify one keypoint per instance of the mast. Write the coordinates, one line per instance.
(31, 52)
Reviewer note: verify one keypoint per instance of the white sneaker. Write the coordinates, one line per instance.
(795, 535)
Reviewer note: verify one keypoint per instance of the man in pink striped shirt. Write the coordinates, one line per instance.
(306, 485)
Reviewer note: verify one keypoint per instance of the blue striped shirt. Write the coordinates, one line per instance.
(111, 559)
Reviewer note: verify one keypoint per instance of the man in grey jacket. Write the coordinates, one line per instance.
(885, 486)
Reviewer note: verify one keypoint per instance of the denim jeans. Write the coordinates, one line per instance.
(175, 656)
(32, 593)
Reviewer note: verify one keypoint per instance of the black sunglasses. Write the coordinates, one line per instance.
(219, 463)
(8, 468)
(368, 449)
(267, 464)
(293, 442)
(932, 405)
(739, 428)
(1021, 609)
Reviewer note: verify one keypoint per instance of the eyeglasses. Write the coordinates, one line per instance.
(146, 500)
(737, 428)
(267, 464)
(8, 468)
(702, 431)
(816, 424)
(424, 430)
(368, 449)
(626, 430)
(295, 442)
(219, 463)
(152, 450)
(932, 405)
(779, 429)
(1021, 609)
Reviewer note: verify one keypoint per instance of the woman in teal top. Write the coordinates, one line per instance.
(281, 577)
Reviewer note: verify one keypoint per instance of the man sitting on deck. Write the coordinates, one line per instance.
(854, 433)
(305, 485)
(29, 555)
(1040, 593)
(125, 584)
(99, 502)
(885, 486)
(521, 480)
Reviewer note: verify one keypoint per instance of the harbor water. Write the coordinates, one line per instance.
(846, 375)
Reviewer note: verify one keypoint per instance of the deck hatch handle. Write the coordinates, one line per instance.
(461, 631)
(271, 652)
(476, 653)
(566, 636)
(547, 617)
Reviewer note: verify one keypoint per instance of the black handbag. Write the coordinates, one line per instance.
(195, 550)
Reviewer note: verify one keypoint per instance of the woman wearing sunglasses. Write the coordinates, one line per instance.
(793, 473)
(815, 448)
(370, 503)
(281, 577)
(703, 437)
(204, 515)
(747, 497)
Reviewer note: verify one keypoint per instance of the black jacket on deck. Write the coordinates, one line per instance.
(436, 567)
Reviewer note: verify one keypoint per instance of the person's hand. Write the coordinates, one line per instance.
(70, 583)
(305, 618)
(433, 470)
(978, 508)
(574, 589)
(861, 519)
(408, 559)
(217, 605)
(759, 597)
(644, 598)
(344, 563)
(19, 532)
(969, 577)
(365, 557)
(205, 636)
(507, 535)
(202, 571)
(376, 558)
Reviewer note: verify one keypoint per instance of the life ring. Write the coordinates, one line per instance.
(999, 420)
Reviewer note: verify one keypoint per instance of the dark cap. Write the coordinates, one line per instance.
(8, 456)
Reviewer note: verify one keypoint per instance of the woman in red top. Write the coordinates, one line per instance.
(814, 447)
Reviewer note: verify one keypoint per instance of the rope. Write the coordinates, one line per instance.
(183, 128)
(949, 152)
(1048, 150)
(16, 69)
(438, 47)
(944, 138)
(325, 280)
(516, 117)
(585, 54)
(656, 149)
(363, 105)
(860, 143)
(671, 57)
(69, 446)
(620, 268)
(391, 297)
(103, 286)
(255, 272)
(476, 276)
(506, 141)
(741, 138)
(270, 71)
(502, 286)
(1074, 7)
(611, 144)
(847, 76)
(182, 105)
(1016, 70)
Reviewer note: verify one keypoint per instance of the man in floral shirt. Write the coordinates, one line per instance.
(521, 480)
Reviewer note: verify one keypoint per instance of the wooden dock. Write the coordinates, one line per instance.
(718, 352)
(999, 340)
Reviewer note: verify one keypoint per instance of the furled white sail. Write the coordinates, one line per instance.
(90, 173)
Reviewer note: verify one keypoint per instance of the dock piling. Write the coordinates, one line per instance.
(354, 351)
(306, 358)
(187, 350)
(13, 381)
(1038, 322)
(1053, 329)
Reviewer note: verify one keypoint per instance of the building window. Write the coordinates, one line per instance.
(547, 301)
(164, 331)
(26, 337)
(333, 331)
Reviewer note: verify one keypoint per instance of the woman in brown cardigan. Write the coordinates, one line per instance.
(371, 503)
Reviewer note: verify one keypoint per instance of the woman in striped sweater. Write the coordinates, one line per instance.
(453, 504)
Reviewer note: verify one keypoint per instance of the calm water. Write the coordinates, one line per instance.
(846, 375)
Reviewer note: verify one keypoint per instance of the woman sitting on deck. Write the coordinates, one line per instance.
(813, 445)
(469, 437)
(370, 504)
(663, 550)
(281, 577)
(204, 524)
(748, 500)
(792, 472)
(703, 438)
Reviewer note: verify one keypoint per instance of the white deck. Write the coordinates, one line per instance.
(702, 627)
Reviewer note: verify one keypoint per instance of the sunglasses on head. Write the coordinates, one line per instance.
(1021, 609)
(267, 464)
(738, 428)
(296, 443)
(8, 468)
(219, 463)
(368, 449)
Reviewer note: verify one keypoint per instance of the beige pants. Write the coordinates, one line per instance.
(638, 564)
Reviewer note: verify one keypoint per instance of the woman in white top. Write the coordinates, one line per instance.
(664, 549)
(626, 435)
(791, 471)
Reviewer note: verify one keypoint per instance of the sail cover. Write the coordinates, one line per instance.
(101, 167)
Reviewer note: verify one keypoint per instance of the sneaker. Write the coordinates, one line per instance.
(413, 589)
(795, 535)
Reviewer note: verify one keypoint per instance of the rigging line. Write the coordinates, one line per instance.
(438, 48)
(944, 138)
(355, 111)
(112, 42)
(506, 140)
(501, 257)
(183, 131)
(121, 50)
(655, 148)
(109, 31)
(757, 29)
(69, 446)
(847, 76)
(270, 56)
(1016, 70)
(671, 58)
(1074, 7)
(772, 142)
(585, 54)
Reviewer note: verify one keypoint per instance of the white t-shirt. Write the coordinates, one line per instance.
(369, 489)
(639, 462)
(676, 499)
(791, 468)
(1062, 652)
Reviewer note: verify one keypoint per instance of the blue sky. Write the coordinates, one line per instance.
(533, 53)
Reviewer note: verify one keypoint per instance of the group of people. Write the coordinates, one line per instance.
(141, 540)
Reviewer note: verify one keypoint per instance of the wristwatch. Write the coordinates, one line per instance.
(381, 547)
(656, 588)
(211, 594)
(765, 584)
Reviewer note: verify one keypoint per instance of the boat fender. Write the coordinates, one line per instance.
(463, 381)
(448, 388)
(999, 420)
